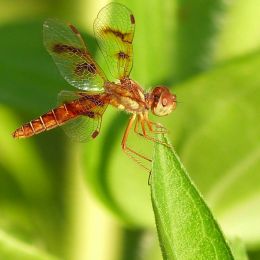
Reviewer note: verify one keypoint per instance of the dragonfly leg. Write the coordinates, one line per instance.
(135, 156)
(159, 129)
(143, 119)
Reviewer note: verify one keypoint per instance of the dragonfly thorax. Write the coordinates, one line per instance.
(127, 96)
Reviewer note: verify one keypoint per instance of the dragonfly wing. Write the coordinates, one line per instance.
(81, 129)
(68, 50)
(114, 30)
(85, 126)
(66, 96)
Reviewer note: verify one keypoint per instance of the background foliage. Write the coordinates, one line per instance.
(60, 200)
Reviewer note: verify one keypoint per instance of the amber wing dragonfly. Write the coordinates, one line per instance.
(80, 112)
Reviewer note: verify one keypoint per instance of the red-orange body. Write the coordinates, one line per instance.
(61, 114)
(120, 97)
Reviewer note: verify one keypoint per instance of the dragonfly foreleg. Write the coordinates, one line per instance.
(142, 120)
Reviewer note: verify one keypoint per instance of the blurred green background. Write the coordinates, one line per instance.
(61, 200)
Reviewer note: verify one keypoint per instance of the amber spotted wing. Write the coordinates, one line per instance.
(86, 125)
(114, 30)
(69, 52)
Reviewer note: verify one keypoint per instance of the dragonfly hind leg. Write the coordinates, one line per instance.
(135, 156)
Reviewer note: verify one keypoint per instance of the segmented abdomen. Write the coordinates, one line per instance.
(52, 119)
(60, 115)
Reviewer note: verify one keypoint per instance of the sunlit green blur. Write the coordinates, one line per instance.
(61, 200)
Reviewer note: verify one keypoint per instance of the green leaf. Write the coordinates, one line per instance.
(186, 227)
(11, 248)
(217, 121)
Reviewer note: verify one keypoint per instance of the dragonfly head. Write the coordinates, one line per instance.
(162, 102)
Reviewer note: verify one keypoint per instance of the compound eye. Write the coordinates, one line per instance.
(164, 102)
(156, 98)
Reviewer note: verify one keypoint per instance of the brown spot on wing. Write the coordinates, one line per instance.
(125, 37)
(123, 55)
(132, 19)
(74, 29)
(95, 134)
(90, 114)
(63, 48)
(90, 67)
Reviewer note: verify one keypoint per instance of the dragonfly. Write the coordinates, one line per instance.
(80, 112)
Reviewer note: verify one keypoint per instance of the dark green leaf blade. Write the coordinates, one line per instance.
(186, 227)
